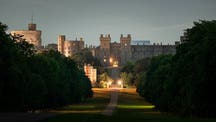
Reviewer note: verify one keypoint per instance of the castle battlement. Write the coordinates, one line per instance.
(124, 51)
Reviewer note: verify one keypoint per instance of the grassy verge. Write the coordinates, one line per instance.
(131, 108)
(82, 112)
(96, 104)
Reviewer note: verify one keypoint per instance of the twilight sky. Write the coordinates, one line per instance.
(155, 20)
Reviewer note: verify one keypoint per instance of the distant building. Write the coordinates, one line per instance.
(117, 54)
(148, 51)
(69, 47)
(32, 35)
(140, 42)
(91, 73)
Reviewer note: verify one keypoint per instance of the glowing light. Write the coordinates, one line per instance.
(115, 64)
(111, 60)
(119, 82)
(109, 83)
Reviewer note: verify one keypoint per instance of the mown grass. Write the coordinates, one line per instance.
(96, 104)
(131, 108)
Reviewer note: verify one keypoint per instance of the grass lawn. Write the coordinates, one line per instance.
(131, 108)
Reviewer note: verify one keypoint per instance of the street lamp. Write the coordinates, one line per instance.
(111, 60)
(120, 83)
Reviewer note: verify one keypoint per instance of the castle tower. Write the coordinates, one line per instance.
(81, 43)
(61, 40)
(32, 27)
(32, 35)
(105, 41)
(105, 49)
(125, 43)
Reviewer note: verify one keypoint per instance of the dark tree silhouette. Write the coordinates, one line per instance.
(30, 81)
(185, 83)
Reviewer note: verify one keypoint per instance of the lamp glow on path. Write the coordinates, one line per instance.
(119, 82)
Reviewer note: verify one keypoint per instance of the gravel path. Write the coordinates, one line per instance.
(113, 103)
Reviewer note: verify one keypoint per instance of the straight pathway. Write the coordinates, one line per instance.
(113, 103)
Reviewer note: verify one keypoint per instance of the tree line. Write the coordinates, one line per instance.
(185, 83)
(30, 81)
(133, 72)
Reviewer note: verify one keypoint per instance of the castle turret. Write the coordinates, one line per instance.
(32, 27)
(61, 39)
(105, 41)
(81, 43)
(125, 43)
(105, 49)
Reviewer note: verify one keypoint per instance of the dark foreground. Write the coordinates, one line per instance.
(130, 107)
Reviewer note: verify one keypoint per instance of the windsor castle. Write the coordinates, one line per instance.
(109, 53)
(114, 53)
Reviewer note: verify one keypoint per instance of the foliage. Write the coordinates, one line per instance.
(128, 67)
(85, 57)
(126, 78)
(135, 70)
(156, 80)
(104, 79)
(140, 69)
(184, 83)
(32, 81)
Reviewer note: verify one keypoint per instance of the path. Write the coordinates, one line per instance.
(113, 103)
(114, 74)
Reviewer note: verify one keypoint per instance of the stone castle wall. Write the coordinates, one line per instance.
(123, 52)
(69, 47)
(145, 51)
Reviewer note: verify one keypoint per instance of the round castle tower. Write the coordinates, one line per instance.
(31, 35)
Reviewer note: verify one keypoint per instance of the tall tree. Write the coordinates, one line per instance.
(184, 83)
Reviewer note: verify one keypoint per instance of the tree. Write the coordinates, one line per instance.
(104, 80)
(126, 78)
(193, 70)
(128, 67)
(140, 68)
(183, 84)
(32, 81)
(85, 57)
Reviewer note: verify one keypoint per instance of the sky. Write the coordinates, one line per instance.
(155, 20)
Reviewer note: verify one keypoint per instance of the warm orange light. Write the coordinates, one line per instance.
(109, 82)
(111, 60)
(119, 82)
